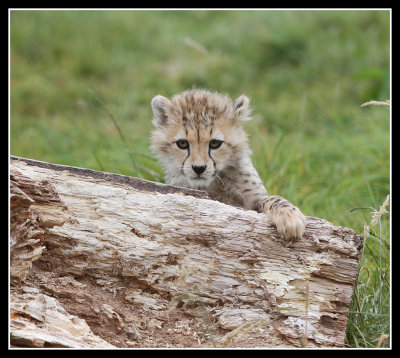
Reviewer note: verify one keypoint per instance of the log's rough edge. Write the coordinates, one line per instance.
(139, 184)
(115, 178)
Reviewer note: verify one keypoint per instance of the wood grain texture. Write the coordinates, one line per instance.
(145, 262)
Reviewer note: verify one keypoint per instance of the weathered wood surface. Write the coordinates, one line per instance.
(149, 265)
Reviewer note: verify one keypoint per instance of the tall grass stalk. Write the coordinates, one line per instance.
(369, 316)
(101, 104)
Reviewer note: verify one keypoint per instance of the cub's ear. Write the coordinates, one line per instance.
(241, 108)
(160, 106)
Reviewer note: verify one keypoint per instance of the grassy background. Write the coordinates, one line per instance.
(82, 82)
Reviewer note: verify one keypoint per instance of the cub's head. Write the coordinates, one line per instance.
(197, 135)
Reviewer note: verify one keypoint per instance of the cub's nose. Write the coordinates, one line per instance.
(199, 169)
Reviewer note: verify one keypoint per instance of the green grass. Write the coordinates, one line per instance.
(82, 82)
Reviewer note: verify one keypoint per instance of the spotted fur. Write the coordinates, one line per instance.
(186, 124)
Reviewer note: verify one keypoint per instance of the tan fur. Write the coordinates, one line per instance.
(197, 117)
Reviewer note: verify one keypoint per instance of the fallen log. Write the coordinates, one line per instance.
(104, 260)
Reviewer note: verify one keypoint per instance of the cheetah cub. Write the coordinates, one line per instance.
(199, 140)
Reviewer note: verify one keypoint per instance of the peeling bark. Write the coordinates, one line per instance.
(145, 264)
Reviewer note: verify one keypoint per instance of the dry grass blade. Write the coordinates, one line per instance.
(304, 339)
(195, 45)
(242, 329)
(382, 339)
(377, 103)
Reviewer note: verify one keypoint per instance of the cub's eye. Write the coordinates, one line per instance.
(215, 143)
(182, 144)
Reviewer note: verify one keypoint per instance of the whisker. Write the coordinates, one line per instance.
(220, 179)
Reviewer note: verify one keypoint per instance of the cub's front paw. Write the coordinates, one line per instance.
(288, 219)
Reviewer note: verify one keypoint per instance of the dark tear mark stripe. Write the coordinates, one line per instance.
(186, 157)
(209, 154)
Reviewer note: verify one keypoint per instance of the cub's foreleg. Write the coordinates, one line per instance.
(244, 183)
(287, 218)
